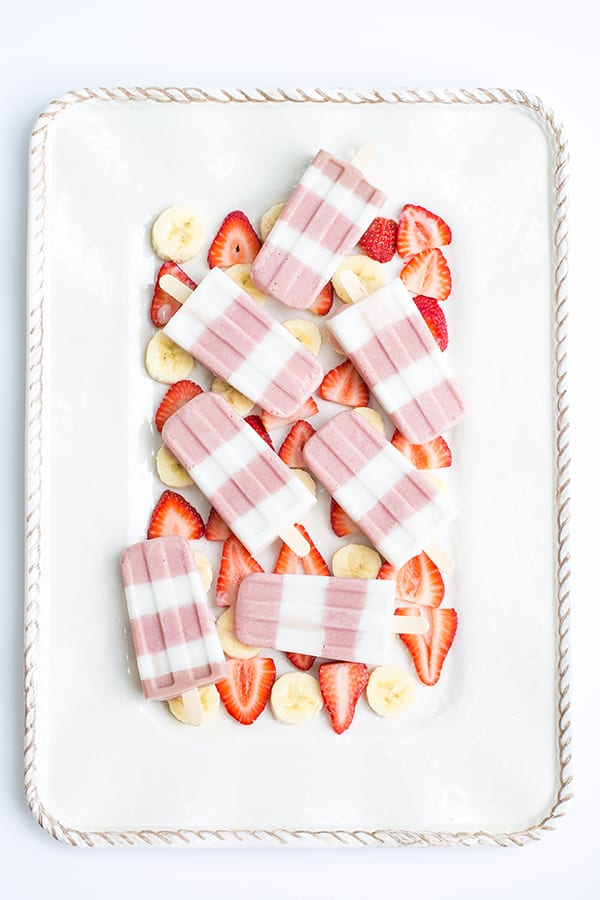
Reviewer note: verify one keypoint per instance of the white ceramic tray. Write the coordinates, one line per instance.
(481, 757)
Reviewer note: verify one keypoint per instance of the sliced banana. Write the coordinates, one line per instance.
(371, 274)
(372, 417)
(356, 561)
(306, 332)
(390, 690)
(204, 567)
(307, 480)
(296, 697)
(242, 275)
(169, 470)
(239, 401)
(166, 361)
(268, 219)
(178, 233)
(231, 646)
(209, 699)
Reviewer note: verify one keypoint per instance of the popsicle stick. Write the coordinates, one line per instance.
(292, 537)
(193, 706)
(410, 625)
(439, 556)
(364, 155)
(174, 288)
(351, 284)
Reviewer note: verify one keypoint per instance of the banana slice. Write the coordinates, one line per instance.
(241, 274)
(372, 417)
(268, 219)
(389, 691)
(371, 274)
(178, 233)
(166, 361)
(209, 698)
(307, 480)
(239, 401)
(231, 645)
(296, 697)
(169, 469)
(204, 567)
(306, 332)
(356, 561)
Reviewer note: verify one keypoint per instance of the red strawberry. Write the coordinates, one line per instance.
(236, 242)
(163, 306)
(429, 650)
(256, 423)
(291, 449)
(236, 563)
(435, 454)
(324, 300)
(420, 230)
(313, 563)
(379, 240)
(344, 385)
(174, 515)
(307, 410)
(342, 683)
(418, 581)
(177, 395)
(341, 522)
(434, 316)
(216, 528)
(301, 660)
(245, 691)
(428, 273)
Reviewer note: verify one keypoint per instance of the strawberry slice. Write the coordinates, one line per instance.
(174, 515)
(342, 683)
(344, 385)
(236, 563)
(307, 410)
(163, 306)
(379, 240)
(313, 563)
(235, 242)
(216, 528)
(301, 660)
(429, 650)
(434, 316)
(341, 522)
(245, 692)
(256, 423)
(419, 229)
(291, 449)
(324, 301)
(435, 454)
(418, 581)
(177, 395)
(428, 274)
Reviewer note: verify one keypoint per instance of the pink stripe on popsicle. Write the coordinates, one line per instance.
(177, 625)
(165, 687)
(257, 619)
(349, 177)
(257, 481)
(341, 617)
(394, 348)
(162, 558)
(401, 502)
(435, 410)
(319, 221)
(199, 429)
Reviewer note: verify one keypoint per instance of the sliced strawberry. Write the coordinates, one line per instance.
(174, 515)
(235, 242)
(419, 229)
(301, 660)
(379, 240)
(324, 301)
(434, 316)
(387, 572)
(429, 650)
(163, 306)
(256, 423)
(177, 395)
(236, 563)
(307, 410)
(216, 528)
(418, 581)
(428, 274)
(245, 692)
(313, 563)
(342, 683)
(435, 454)
(344, 385)
(291, 449)
(341, 522)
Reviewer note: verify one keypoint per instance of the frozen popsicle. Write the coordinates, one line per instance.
(228, 332)
(256, 494)
(393, 349)
(330, 209)
(172, 625)
(394, 505)
(338, 618)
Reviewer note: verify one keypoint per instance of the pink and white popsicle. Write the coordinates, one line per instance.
(393, 349)
(258, 496)
(228, 332)
(326, 215)
(350, 619)
(393, 504)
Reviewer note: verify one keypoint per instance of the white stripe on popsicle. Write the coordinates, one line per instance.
(179, 658)
(150, 597)
(255, 368)
(412, 381)
(227, 461)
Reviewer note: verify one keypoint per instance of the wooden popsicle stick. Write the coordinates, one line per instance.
(410, 625)
(174, 288)
(351, 284)
(193, 706)
(439, 556)
(292, 537)
(364, 155)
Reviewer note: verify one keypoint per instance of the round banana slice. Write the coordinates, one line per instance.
(306, 332)
(371, 274)
(204, 567)
(307, 480)
(231, 646)
(268, 219)
(356, 561)
(239, 401)
(242, 275)
(389, 691)
(372, 417)
(209, 698)
(178, 233)
(296, 697)
(166, 361)
(169, 470)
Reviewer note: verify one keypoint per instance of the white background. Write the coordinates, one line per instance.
(550, 49)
